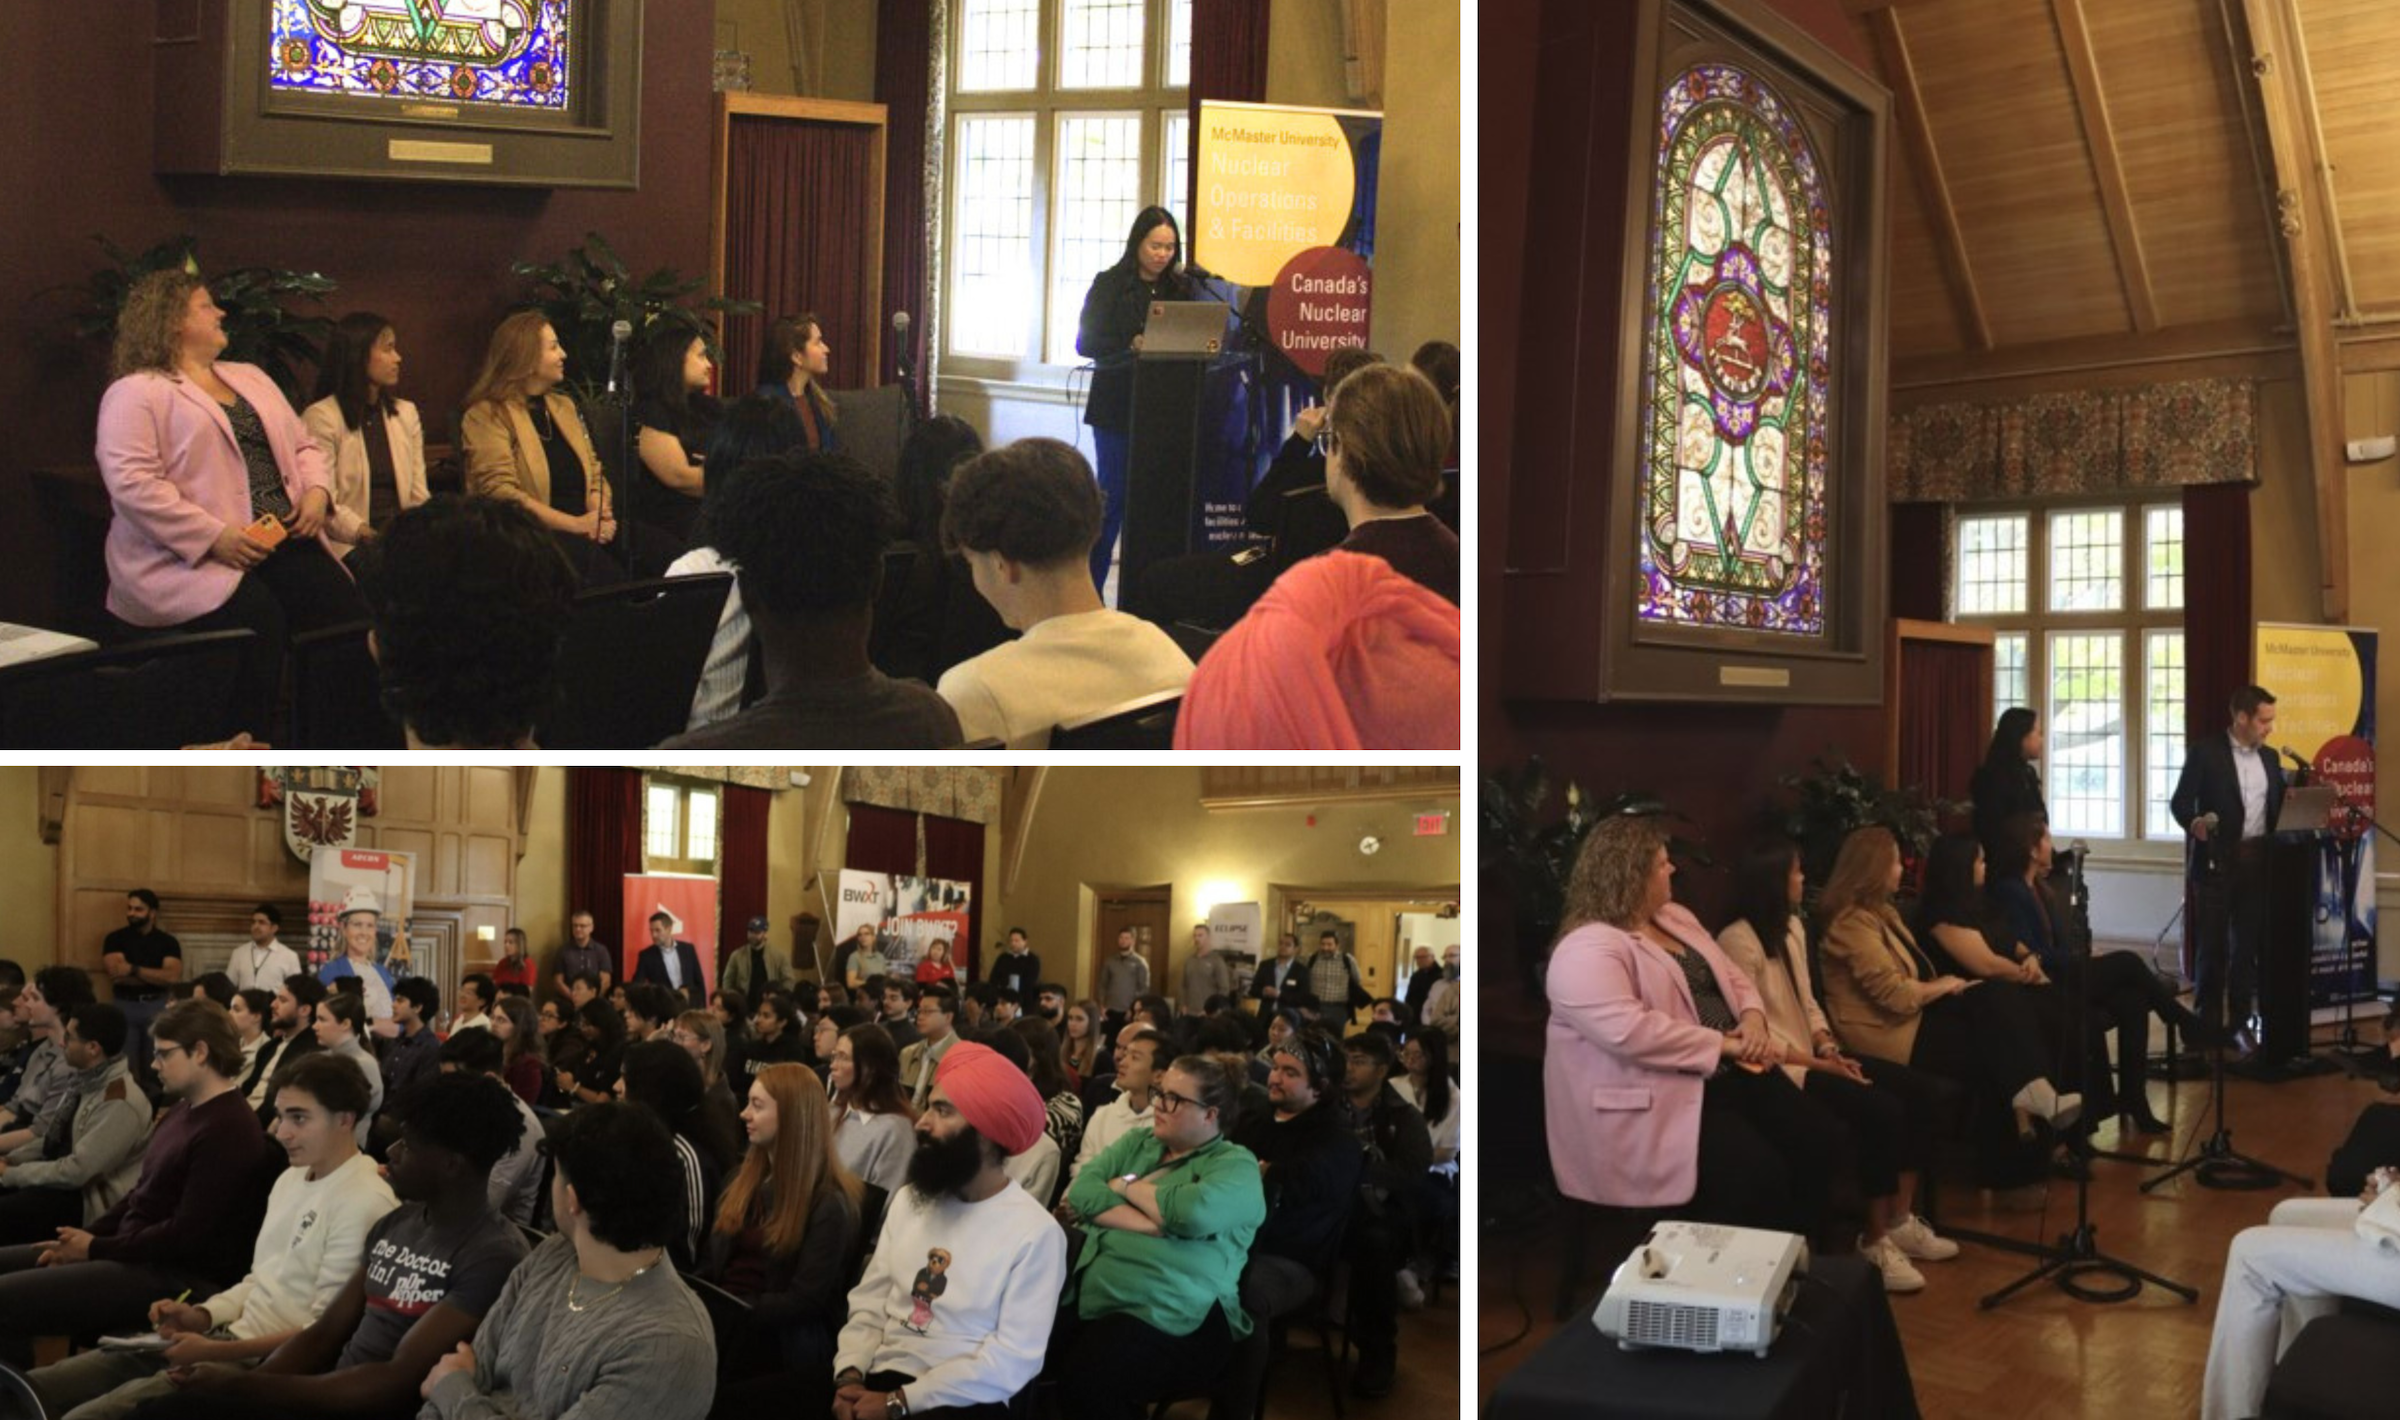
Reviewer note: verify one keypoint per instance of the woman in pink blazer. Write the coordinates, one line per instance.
(1658, 1086)
(195, 453)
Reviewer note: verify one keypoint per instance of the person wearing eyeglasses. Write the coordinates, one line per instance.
(937, 1013)
(1153, 1305)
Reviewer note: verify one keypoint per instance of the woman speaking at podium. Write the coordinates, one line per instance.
(1114, 312)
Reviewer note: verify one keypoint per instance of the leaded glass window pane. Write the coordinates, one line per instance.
(991, 307)
(2162, 729)
(2087, 560)
(1000, 44)
(2085, 730)
(1992, 566)
(1101, 44)
(1098, 182)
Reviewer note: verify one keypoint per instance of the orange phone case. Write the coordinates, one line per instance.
(268, 531)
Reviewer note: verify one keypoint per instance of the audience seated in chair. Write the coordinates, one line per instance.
(1383, 1232)
(341, 1030)
(1139, 1055)
(432, 1268)
(409, 1057)
(1035, 1169)
(90, 1157)
(792, 365)
(595, 1321)
(756, 428)
(937, 618)
(92, 1154)
(2310, 1252)
(955, 1310)
(660, 1076)
(807, 534)
(514, 1189)
(314, 1237)
(45, 1084)
(291, 1033)
(1343, 652)
(672, 421)
(784, 1238)
(873, 1126)
(1154, 1307)
(1026, 517)
(1311, 1166)
(188, 1221)
(469, 599)
(1047, 1067)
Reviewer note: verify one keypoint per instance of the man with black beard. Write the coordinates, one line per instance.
(1050, 1003)
(291, 1033)
(954, 1312)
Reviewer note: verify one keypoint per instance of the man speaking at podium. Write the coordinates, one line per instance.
(2227, 799)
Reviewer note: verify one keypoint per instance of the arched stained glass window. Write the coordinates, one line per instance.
(1736, 374)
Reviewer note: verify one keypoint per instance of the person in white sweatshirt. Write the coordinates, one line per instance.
(1138, 1063)
(955, 1308)
(309, 1247)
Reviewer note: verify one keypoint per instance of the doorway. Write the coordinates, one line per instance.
(1380, 927)
(1146, 912)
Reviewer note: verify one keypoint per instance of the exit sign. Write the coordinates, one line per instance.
(1432, 825)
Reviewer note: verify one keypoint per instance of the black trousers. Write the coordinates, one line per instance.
(2230, 909)
(1878, 1125)
(2122, 994)
(80, 1299)
(1763, 1150)
(1116, 1367)
(638, 552)
(298, 588)
(34, 1215)
(1992, 1032)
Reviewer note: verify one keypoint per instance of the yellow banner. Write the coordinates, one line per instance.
(1273, 184)
(2318, 684)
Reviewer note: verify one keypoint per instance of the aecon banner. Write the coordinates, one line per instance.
(356, 877)
(1285, 205)
(2323, 680)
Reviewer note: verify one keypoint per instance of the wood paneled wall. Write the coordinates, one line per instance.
(197, 837)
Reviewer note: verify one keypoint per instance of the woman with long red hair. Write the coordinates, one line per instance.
(786, 1229)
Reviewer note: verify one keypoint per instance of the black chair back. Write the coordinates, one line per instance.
(1147, 723)
(632, 658)
(337, 693)
(873, 1203)
(164, 692)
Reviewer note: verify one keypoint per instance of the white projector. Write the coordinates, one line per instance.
(1702, 1287)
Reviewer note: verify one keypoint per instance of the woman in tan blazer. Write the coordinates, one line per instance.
(524, 440)
(1887, 1001)
(375, 440)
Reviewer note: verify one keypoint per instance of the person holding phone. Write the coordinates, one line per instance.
(219, 498)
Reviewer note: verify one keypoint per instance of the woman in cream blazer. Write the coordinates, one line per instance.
(354, 387)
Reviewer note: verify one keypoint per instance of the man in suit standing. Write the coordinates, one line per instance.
(2227, 799)
(671, 963)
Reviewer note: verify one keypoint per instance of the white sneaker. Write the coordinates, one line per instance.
(1898, 1274)
(1412, 1294)
(1915, 1238)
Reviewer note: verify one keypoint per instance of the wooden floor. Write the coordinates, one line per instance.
(2043, 1354)
(1430, 1369)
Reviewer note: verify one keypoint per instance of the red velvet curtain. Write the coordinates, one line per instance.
(1944, 691)
(2217, 629)
(794, 192)
(1917, 534)
(1229, 61)
(881, 840)
(903, 37)
(742, 885)
(954, 850)
(604, 843)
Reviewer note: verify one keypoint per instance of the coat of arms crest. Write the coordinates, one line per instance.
(321, 807)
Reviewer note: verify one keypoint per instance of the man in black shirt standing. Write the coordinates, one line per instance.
(143, 960)
(1018, 969)
(1399, 1149)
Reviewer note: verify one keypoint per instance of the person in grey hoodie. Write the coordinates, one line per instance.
(41, 1089)
(93, 1152)
(596, 1321)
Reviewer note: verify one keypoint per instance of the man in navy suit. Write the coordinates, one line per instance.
(2227, 799)
(671, 963)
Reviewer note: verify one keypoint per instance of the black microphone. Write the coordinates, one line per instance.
(618, 334)
(2303, 767)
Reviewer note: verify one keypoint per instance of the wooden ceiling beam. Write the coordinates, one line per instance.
(2272, 44)
(2099, 138)
(2232, 348)
(1924, 159)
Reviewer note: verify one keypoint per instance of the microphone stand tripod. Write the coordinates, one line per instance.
(2078, 1257)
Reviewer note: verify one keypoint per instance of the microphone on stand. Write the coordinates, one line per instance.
(903, 355)
(2301, 768)
(618, 334)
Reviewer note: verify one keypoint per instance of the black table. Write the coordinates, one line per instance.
(1838, 1354)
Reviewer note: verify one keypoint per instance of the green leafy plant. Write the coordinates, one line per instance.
(588, 291)
(260, 328)
(1834, 798)
(1535, 850)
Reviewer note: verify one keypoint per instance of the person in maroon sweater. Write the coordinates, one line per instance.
(190, 1220)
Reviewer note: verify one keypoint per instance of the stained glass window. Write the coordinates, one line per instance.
(1736, 365)
(512, 52)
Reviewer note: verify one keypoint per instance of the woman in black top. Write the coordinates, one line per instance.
(674, 417)
(2007, 783)
(1114, 313)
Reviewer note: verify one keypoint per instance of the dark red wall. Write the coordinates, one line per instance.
(75, 108)
(1716, 764)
